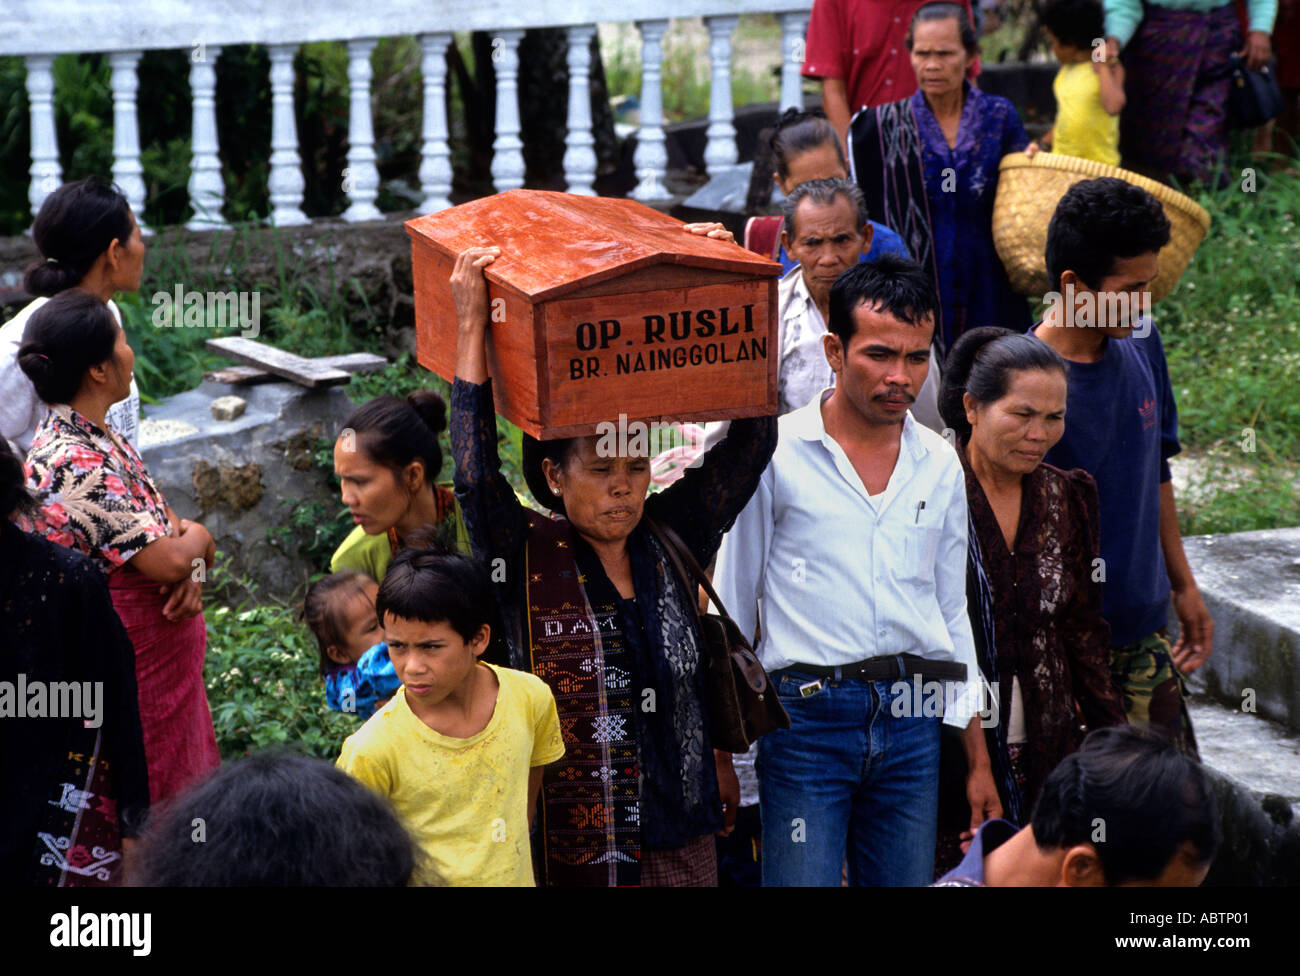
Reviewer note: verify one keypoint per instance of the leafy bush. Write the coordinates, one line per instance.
(1231, 330)
(263, 680)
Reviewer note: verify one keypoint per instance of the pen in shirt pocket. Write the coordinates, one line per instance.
(920, 507)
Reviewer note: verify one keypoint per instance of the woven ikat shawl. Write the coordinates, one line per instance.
(591, 798)
(602, 659)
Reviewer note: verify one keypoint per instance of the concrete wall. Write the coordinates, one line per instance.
(1261, 838)
(1251, 584)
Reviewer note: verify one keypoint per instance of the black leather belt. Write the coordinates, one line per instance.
(900, 667)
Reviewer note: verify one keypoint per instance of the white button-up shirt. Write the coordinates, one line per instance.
(836, 576)
(803, 371)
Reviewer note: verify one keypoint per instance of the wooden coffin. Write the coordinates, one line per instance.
(602, 307)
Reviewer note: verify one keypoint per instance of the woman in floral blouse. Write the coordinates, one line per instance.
(96, 496)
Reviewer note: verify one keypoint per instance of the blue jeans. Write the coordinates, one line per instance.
(848, 777)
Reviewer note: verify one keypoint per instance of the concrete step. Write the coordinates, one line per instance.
(1245, 703)
(1262, 756)
(1251, 584)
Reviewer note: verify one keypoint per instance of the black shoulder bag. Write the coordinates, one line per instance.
(1254, 97)
(742, 703)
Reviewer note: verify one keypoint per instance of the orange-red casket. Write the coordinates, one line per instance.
(601, 307)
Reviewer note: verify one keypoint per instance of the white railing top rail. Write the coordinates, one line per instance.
(60, 26)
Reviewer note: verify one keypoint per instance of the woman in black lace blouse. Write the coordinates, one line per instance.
(75, 786)
(1035, 528)
(593, 607)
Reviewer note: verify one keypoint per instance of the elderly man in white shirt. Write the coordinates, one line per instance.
(850, 561)
(827, 231)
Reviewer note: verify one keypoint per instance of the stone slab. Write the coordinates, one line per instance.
(1251, 584)
(244, 477)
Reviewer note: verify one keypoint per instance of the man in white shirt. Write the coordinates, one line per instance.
(827, 231)
(851, 560)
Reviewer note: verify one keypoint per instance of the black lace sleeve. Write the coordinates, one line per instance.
(704, 503)
(494, 518)
(1089, 633)
(496, 522)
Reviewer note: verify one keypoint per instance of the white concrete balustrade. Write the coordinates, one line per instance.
(39, 30)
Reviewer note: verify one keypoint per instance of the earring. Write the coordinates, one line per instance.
(555, 490)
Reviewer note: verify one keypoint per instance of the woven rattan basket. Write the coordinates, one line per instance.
(1028, 192)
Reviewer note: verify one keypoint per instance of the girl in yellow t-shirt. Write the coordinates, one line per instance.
(1089, 88)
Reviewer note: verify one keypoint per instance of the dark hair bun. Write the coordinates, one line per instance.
(398, 430)
(45, 279)
(431, 408)
(76, 224)
(35, 362)
(956, 374)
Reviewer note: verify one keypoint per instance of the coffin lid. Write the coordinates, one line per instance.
(555, 243)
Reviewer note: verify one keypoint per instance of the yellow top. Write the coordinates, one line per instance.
(464, 801)
(1083, 128)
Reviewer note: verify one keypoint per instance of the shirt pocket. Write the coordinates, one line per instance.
(919, 553)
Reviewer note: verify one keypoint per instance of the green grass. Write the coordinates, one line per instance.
(1231, 331)
(295, 314)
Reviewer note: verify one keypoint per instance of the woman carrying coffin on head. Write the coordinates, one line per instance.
(592, 605)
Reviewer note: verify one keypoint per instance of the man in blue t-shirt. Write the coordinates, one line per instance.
(1121, 426)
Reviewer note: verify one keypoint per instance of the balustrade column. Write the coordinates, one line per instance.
(128, 173)
(361, 176)
(286, 182)
(580, 154)
(207, 189)
(435, 154)
(45, 171)
(507, 148)
(651, 158)
(793, 25)
(720, 153)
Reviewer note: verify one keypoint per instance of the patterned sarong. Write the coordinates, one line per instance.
(180, 743)
(1175, 118)
(590, 812)
(79, 843)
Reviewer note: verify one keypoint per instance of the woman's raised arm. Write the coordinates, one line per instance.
(495, 520)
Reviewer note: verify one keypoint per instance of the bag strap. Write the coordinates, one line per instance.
(679, 552)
